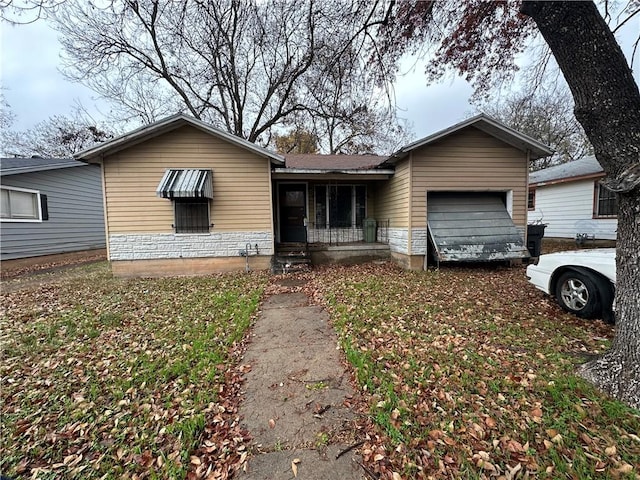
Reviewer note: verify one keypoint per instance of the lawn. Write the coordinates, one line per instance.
(469, 373)
(111, 378)
(463, 373)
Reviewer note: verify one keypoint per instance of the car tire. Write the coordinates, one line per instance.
(582, 294)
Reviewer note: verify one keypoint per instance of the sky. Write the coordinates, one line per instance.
(35, 89)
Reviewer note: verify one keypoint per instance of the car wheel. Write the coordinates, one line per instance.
(581, 294)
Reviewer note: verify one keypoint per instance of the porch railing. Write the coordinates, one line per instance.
(336, 234)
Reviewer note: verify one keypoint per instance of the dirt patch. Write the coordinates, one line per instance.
(21, 276)
(49, 263)
(297, 394)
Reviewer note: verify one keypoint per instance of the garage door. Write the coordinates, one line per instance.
(472, 227)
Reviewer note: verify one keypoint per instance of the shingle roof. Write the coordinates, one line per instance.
(330, 162)
(14, 166)
(577, 168)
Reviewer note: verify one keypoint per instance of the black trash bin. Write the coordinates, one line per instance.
(535, 232)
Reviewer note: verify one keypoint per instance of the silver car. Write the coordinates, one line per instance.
(582, 281)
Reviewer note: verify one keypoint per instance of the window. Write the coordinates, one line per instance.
(531, 199)
(606, 203)
(22, 205)
(191, 215)
(340, 206)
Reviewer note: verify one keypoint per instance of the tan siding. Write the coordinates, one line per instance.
(469, 160)
(241, 184)
(392, 198)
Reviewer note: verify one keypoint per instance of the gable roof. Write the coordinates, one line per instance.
(583, 167)
(488, 125)
(168, 124)
(14, 166)
(312, 161)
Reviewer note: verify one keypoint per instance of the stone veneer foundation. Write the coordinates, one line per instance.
(157, 246)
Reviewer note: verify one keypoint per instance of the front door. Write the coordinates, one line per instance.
(293, 210)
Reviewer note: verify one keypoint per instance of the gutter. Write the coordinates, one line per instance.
(316, 171)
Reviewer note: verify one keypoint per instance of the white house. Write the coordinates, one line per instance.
(569, 199)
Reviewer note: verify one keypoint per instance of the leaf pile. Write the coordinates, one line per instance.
(112, 378)
(469, 373)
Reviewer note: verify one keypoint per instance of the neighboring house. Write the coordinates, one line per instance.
(49, 206)
(569, 199)
(184, 198)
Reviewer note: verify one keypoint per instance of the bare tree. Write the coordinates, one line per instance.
(296, 141)
(547, 116)
(350, 112)
(6, 114)
(244, 66)
(58, 137)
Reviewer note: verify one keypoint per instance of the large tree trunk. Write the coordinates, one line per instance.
(607, 104)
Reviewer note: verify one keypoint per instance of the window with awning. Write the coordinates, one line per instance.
(186, 183)
(190, 190)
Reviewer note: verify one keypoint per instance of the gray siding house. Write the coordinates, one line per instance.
(49, 206)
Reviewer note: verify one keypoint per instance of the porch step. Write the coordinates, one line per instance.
(291, 258)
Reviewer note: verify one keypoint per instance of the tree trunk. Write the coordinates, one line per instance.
(607, 104)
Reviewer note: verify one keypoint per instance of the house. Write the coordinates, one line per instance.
(49, 206)
(570, 200)
(185, 198)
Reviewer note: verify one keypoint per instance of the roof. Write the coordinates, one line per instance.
(168, 124)
(313, 161)
(14, 166)
(576, 169)
(488, 125)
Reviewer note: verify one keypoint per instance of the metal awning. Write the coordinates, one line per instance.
(472, 227)
(186, 183)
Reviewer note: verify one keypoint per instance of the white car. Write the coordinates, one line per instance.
(582, 281)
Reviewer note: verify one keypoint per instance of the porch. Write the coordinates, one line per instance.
(325, 244)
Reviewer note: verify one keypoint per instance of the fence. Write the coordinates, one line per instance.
(336, 234)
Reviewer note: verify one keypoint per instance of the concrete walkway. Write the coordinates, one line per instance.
(297, 395)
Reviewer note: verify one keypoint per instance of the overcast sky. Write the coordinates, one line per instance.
(35, 89)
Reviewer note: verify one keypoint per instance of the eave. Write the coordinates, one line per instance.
(330, 174)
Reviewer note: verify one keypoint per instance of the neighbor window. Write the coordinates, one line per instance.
(191, 215)
(22, 205)
(340, 206)
(606, 203)
(531, 200)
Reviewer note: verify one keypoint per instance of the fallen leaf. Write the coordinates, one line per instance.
(625, 468)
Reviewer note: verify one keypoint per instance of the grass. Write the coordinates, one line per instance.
(462, 373)
(469, 373)
(110, 378)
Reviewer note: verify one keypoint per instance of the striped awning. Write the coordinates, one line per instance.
(186, 184)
